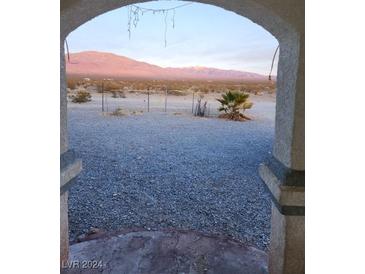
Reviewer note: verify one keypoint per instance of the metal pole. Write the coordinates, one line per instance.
(165, 99)
(102, 96)
(148, 101)
(192, 106)
(106, 102)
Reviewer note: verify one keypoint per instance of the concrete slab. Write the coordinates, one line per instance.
(164, 252)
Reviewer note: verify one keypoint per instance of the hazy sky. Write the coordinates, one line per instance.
(203, 35)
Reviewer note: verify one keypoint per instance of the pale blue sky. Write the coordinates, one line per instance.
(204, 35)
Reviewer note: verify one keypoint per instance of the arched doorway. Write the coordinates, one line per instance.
(284, 173)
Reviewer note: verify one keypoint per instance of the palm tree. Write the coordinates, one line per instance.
(231, 103)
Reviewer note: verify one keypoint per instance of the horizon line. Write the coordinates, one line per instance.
(195, 66)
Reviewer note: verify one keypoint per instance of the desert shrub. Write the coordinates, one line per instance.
(112, 86)
(232, 102)
(204, 89)
(141, 85)
(201, 108)
(244, 89)
(92, 88)
(118, 94)
(119, 112)
(81, 96)
(176, 92)
(255, 90)
(72, 83)
(174, 87)
(122, 112)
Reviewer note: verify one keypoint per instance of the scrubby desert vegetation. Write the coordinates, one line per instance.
(118, 88)
(81, 95)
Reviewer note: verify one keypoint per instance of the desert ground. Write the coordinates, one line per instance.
(160, 170)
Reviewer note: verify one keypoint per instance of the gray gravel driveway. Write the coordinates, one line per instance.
(160, 170)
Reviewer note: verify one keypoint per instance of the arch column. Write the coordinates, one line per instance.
(70, 165)
(283, 173)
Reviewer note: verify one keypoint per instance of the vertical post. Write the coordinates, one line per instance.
(192, 106)
(106, 102)
(283, 173)
(148, 101)
(165, 99)
(63, 148)
(102, 96)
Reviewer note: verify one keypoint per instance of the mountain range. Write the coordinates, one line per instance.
(96, 64)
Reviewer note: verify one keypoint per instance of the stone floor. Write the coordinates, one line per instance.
(164, 252)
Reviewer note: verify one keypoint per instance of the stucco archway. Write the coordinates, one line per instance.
(284, 173)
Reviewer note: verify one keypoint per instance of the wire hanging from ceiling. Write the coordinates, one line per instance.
(273, 60)
(135, 12)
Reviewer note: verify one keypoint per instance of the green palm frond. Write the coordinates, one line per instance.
(233, 101)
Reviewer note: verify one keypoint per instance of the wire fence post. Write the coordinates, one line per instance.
(102, 96)
(165, 99)
(148, 101)
(106, 102)
(192, 106)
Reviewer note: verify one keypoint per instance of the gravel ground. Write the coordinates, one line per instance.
(161, 170)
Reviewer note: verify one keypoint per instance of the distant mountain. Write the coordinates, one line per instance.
(101, 65)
